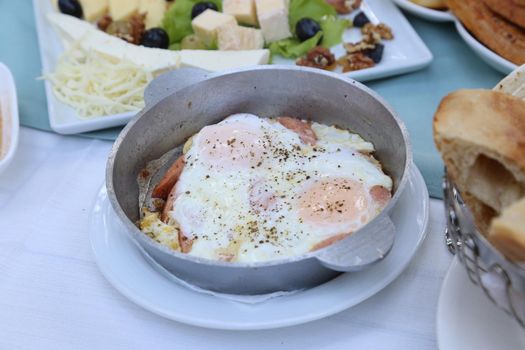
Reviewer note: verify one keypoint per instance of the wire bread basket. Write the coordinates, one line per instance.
(502, 280)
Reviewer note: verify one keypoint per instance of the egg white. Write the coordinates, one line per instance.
(215, 200)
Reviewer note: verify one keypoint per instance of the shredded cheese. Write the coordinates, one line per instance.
(97, 85)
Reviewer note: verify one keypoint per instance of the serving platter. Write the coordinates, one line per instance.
(124, 266)
(467, 319)
(404, 54)
(490, 57)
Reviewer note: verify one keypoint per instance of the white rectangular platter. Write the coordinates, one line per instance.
(405, 53)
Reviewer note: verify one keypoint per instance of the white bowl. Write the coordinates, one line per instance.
(425, 12)
(8, 117)
(490, 57)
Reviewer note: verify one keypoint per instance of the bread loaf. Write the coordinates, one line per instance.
(481, 137)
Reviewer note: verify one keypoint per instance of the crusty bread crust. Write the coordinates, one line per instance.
(514, 83)
(433, 4)
(498, 34)
(481, 136)
(508, 9)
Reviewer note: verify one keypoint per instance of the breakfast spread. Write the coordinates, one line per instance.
(250, 189)
(480, 134)
(499, 30)
(250, 204)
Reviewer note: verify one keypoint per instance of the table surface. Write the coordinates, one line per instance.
(52, 295)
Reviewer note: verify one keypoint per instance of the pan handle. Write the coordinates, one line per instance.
(361, 249)
(172, 81)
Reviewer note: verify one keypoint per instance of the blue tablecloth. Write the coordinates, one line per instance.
(415, 96)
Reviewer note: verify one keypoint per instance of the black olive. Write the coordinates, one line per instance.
(306, 28)
(200, 7)
(376, 54)
(360, 20)
(71, 7)
(155, 37)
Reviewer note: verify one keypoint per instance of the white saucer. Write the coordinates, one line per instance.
(127, 270)
(424, 12)
(9, 124)
(467, 319)
(490, 57)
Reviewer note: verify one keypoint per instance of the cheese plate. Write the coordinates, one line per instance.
(405, 53)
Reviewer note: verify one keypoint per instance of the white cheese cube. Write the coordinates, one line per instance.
(215, 61)
(123, 9)
(154, 10)
(94, 9)
(234, 37)
(273, 19)
(206, 24)
(243, 11)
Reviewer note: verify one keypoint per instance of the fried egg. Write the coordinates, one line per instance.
(252, 190)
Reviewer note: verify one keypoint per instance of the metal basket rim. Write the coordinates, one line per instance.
(496, 254)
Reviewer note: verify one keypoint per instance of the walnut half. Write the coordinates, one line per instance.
(318, 57)
(381, 29)
(355, 61)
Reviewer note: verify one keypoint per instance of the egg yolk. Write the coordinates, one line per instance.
(237, 144)
(334, 201)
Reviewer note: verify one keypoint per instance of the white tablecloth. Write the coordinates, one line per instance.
(52, 295)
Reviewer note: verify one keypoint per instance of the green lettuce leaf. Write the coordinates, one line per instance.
(333, 29)
(293, 48)
(177, 21)
(314, 9)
